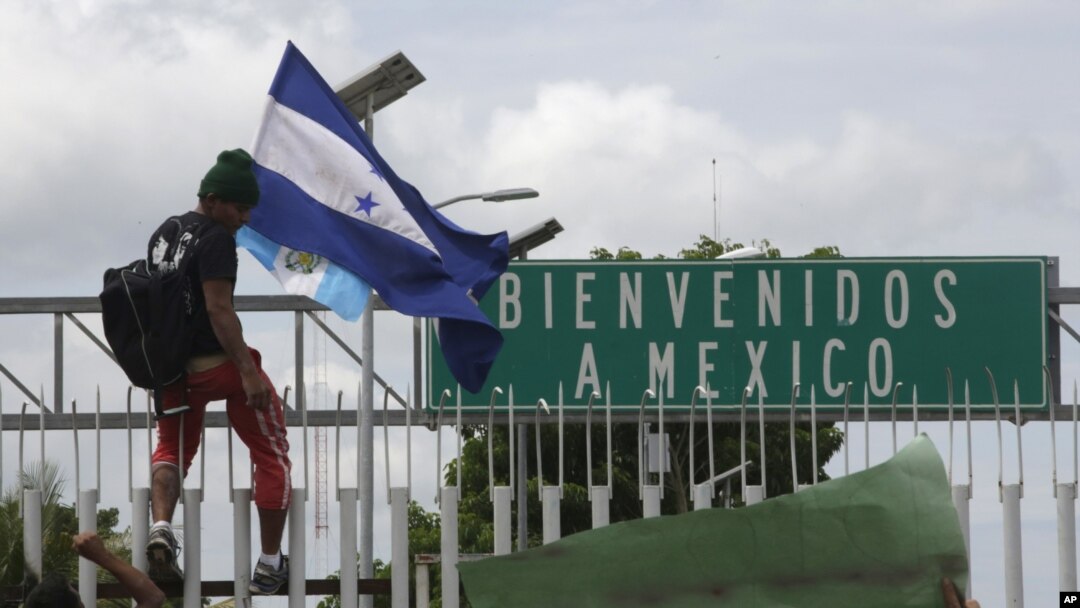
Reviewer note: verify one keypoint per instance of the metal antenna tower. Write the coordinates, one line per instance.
(321, 401)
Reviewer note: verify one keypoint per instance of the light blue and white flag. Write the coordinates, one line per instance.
(326, 191)
(310, 275)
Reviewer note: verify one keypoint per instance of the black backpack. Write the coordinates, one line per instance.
(147, 319)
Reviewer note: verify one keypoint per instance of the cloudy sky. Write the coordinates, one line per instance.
(886, 128)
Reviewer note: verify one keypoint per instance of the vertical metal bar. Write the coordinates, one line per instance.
(399, 546)
(1048, 384)
(895, 396)
(561, 468)
(202, 464)
(510, 431)
(866, 424)
(703, 496)
(490, 445)
(1019, 438)
(1014, 568)
(140, 527)
(961, 500)
(647, 493)
(650, 502)
(662, 447)
(709, 425)
(949, 398)
(298, 350)
(540, 405)
(648, 394)
(997, 422)
(522, 486)
(417, 345)
(88, 569)
(791, 436)
(588, 444)
(97, 441)
(967, 411)
(423, 585)
(438, 445)
(386, 439)
(192, 548)
(20, 483)
(408, 450)
(601, 506)
(297, 548)
(1066, 517)
(607, 411)
(458, 433)
(847, 437)
(551, 509)
(448, 506)
(58, 364)
(75, 438)
(2, 440)
(366, 485)
(502, 497)
(32, 540)
(348, 563)
(241, 499)
(761, 444)
(813, 436)
(41, 434)
(149, 443)
(693, 419)
(915, 408)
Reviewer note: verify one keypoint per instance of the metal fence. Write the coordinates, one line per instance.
(23, 414)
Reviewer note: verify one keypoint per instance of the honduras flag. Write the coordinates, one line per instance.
(327, 192)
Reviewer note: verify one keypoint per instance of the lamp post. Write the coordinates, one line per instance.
(498, 196)
(364, 94)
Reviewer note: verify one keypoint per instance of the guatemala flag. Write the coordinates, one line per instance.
(307, 274)
(325, 191)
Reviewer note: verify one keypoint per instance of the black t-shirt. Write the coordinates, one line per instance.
(214, 251)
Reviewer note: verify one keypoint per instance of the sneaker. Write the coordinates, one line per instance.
(267, 580)
(161, 552)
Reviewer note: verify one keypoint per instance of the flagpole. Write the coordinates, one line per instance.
(366, 482)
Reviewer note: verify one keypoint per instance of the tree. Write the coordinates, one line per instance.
(59, 522)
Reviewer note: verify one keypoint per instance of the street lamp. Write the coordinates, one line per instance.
(364, 94)
(498, 196)
(522, 242)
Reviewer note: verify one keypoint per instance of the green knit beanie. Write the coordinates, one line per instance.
(232, 178)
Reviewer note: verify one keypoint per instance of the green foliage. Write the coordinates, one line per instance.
(624, 253)
(424, 538)
(707, 249)
(59, 523)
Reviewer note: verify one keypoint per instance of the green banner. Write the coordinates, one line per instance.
(886, 536)
(670, 326)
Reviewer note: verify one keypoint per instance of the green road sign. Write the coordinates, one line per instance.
(670, 326)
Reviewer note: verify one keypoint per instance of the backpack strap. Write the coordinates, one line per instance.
(156, 306)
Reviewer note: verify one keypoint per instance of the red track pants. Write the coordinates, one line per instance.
(263, 432)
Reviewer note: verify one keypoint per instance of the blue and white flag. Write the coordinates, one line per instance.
(327, 192)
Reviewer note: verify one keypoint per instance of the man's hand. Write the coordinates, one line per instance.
(88, 545)
(141, 588)
(226, 326)
(257, 390)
